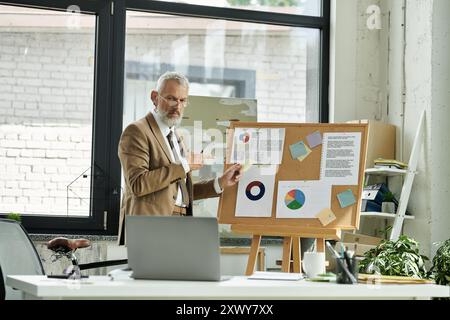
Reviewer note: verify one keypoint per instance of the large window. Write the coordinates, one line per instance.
(73, 74)
(54, 73)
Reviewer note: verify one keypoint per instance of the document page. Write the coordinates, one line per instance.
(263, 275)
(340, 158)
(257, 145)
(255, 192)
(302, 199)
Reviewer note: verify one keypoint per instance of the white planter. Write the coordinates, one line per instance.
(388, 207)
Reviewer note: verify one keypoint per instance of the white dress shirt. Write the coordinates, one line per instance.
(165, 131)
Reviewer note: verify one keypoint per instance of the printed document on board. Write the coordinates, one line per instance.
(257, 145)
(340, 158)
(255, 192)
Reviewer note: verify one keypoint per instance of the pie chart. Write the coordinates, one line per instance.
(244, 137)
(294, 199)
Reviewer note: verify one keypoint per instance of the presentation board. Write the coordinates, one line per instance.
(317, 182)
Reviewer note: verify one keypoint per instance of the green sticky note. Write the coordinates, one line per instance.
(298, 150)
(346, 198)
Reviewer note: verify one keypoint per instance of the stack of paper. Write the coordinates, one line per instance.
(263, 275)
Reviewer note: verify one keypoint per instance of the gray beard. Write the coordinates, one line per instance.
(169, 122)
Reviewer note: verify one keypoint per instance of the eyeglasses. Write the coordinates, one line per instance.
(172, 102)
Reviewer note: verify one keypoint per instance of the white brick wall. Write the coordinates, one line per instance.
(38, 165)
(45, 119)
(55, 68)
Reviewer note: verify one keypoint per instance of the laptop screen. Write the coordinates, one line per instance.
(173, 247)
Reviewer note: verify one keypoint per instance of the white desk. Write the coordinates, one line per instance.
(101, 287)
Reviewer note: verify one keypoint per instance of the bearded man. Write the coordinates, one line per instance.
(156, 168)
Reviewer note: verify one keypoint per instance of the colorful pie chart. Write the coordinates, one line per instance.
(244, 137)
(294, 199)
(255, 190)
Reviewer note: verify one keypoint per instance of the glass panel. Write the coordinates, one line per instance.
(301, 7)
(273, 70)
(46, 110)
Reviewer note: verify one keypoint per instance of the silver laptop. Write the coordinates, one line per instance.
(173, 248)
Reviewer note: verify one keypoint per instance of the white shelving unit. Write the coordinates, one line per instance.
(408, 175)
(383, 215)
(388, 172)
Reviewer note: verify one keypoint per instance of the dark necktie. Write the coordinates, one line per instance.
(181, 182)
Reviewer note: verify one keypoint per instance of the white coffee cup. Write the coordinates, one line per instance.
(313, 263)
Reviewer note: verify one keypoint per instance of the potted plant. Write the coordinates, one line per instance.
(441, 264)
(395, 258)
(388, 204)
(14, 216)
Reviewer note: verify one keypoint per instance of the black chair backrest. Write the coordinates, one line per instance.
(2, 286)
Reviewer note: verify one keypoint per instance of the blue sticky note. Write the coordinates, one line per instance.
(346, 198)
(314, 139)
(298, 150)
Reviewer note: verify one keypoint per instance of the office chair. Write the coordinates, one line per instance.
(18, 256)
(2, 286)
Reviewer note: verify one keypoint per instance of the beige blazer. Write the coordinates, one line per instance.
(150, 174)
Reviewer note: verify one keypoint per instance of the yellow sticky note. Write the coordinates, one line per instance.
(308, 151)
(326, 216)
(246, 166)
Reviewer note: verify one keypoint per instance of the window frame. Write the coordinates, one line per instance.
(96, 222)
(109, 93)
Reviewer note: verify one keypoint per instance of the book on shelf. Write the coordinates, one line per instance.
(389, 163)
(370, 206)
(373, 197)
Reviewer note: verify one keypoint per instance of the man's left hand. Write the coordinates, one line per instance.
(231, 176)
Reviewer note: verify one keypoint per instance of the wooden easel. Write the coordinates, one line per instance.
(291, 242)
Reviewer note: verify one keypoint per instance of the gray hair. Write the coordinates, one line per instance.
(171, 75)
